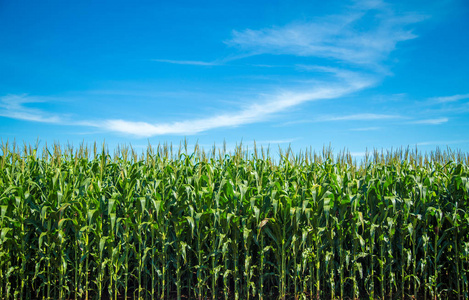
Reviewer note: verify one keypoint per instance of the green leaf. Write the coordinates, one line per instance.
(3, 234)
(102, 243)
(3, 210)
(62, 221)
(113, 220)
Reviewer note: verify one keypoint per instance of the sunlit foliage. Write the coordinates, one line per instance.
(84, 224)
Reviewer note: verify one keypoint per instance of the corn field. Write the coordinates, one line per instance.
(177, 224)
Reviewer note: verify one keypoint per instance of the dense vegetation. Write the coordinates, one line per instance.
(84, 224)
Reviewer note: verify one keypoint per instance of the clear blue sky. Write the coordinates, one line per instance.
(358, 74)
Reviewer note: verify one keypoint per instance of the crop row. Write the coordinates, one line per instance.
(236, 227)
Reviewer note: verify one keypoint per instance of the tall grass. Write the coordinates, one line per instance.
(172, 224)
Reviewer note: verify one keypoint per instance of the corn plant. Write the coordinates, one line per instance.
(84, 224)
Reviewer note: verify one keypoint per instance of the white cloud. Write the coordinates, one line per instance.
(15, 107)
(187, 62)
(360, 117)
(431, 121)
(453, 98)
(275, 142)
(366, 129)
(339, 73)
(358, 154)
(432, 143)
(256, 112)
(353, 117)
(339, 37)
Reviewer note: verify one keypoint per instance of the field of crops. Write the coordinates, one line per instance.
(86, 224)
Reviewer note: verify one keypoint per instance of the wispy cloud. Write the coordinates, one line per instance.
(431, 121)
(348, 37)
(187, 62)
(453, 98)
(358, 154)
(366, 129)
(276, 142)
(256, 112)
(15, 107)
(433, 143)
(359, 117)
(352, 117)
(339, 73)
(338, 37)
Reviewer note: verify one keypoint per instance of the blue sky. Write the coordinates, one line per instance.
(354, 74)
